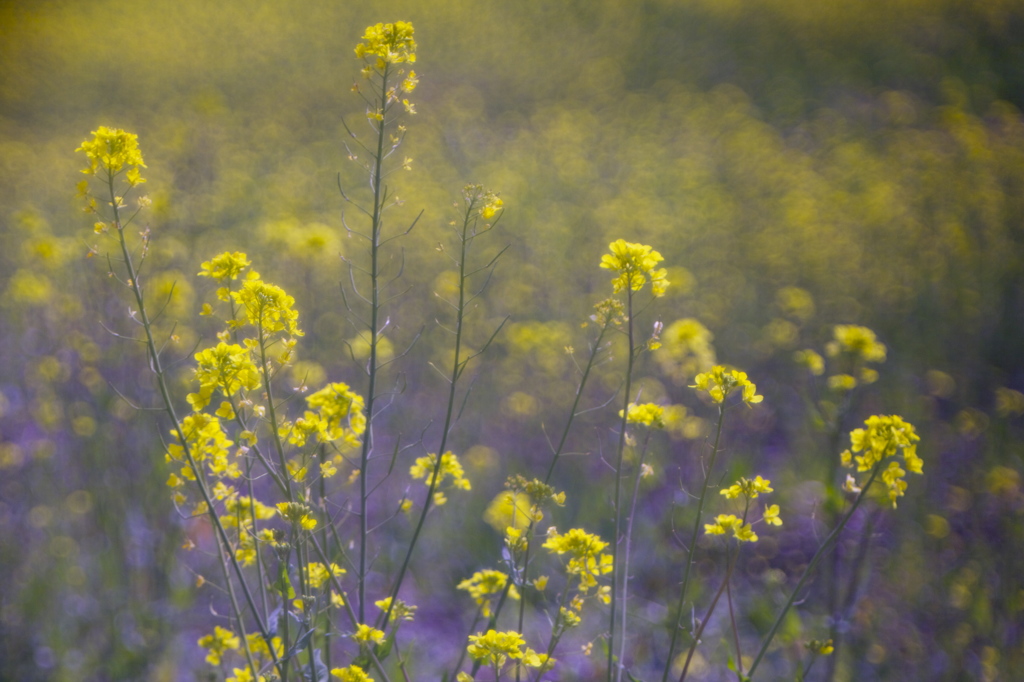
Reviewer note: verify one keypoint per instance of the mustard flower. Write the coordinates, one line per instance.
(771, 515)
(647, 414)
(450, 468)
(225, 266)
(207, 442)
(340, 415)
(729, 522)
(113, 149)
(634, 263)
(496, 647)
(366, 634)
(859, 342)
(883, 437)
(352, 673)
(317, 574)
(748, 488)
(484, 586)
(402, 611)
(217, 644)
(720, 382)
(389, 43)
(267, 306)
(486, 202)
(814, 363)
(227, 368)
(577, 542)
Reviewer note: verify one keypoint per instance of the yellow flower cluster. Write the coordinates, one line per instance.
(720, 382)
(365, 634)
(497, 647)
(340, 415)
(227, 368)
(883, 437)
(217, 644)
(486, 202)
(450, 468)
(389, 43)
(859, 342)
(748, 488)
(207, 442)
(317, 574)
(634, 263)
(352, 673)
(647, 414)
(112, 149)
(485, 585)
(267, 306)
(724, 523)
(402, 611)
(225, 267)
(587, 561)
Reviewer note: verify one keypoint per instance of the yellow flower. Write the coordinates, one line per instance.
(450, 468)
(267, 307)
(634, 263)
(720, 382)
(366, 634)
(485, 585)
(884, 436)
(728, 522)
(771, 515)
(224, 267)
(748, 488)
(317, 574)
(496, 647)
(857, 341)
(352, 673)
(389, 43)
(112, 149)
(647, 414)
(221, 641)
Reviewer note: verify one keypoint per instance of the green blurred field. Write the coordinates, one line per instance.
(869, 153)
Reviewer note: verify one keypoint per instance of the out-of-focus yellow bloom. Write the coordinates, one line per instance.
(814, 363)
(450, 468)
(857, 341)
(485, 586)
(352, 673)
(647, 414)
(221, 641)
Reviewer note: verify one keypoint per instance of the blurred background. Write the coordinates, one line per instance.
(799, 165)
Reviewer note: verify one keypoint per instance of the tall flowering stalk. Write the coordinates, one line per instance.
(633, 265)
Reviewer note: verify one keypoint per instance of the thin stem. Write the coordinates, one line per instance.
(707, 616)
(810, 568)
(629, 541)
(692, 550)
(618, 493)
(376, 178)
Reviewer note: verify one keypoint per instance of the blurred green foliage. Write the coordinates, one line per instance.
(870, 154)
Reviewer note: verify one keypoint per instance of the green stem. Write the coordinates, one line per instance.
(692, 550)
(618, 494)
(376, 178)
